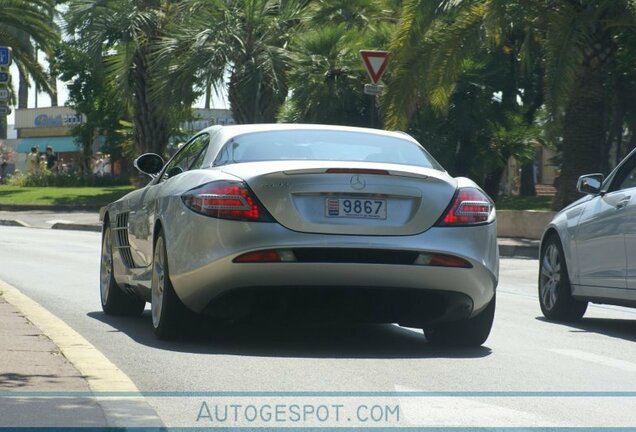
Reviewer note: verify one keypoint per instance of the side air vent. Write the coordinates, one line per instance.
(121, 237)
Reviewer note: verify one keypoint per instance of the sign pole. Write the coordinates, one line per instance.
(5, 77)
(372, 112)
(375, 62)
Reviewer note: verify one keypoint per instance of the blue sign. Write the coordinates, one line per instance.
(5, 56)
(4, 77)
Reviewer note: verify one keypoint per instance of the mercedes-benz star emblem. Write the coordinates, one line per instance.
(357, 182)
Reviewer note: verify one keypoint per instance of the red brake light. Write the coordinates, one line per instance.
(357, 171)
(440, 260)
(470, 206)
(259, 256)
(226, 200)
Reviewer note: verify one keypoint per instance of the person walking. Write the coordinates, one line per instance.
(51, 159)
(32, 161)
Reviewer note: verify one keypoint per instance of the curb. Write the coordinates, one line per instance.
(99, 373)
(54, 207)
(11, 222)
(76, 227)
(516, 251)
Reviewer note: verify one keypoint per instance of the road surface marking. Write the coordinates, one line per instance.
(598, 359)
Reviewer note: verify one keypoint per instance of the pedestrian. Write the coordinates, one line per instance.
(32, 161)
(107, 168)
(51, 159)
(3, 170)
(98, 164)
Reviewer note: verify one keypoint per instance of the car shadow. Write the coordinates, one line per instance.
(301, 340)
(616, 328)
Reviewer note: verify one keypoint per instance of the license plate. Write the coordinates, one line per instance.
(355, 208)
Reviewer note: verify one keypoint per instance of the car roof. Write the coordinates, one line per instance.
(232, 131)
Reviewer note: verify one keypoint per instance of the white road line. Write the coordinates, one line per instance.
(463, 411)
(598, 359)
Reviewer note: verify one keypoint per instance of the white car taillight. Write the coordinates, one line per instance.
(226, 200)
(470, 206)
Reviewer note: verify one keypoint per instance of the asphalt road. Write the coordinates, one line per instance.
(529, 373)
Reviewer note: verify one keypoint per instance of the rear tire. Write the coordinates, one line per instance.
(169, 316)
(555, 295)
(471, 332)
(114, 300)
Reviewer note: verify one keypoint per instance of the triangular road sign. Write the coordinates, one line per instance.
(375, 62)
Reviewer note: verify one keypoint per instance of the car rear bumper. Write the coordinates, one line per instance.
(202, 271)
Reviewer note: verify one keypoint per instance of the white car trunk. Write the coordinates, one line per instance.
(358, 198)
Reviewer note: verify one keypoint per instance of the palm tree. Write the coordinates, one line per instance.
(579, 64)
(326, 78)
(22, 22)
(456, 60)
(243, 41)
(326, 75)
(575, 41)
(124, 34)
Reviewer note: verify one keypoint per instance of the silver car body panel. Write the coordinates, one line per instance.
(595, 234)
(201, 249)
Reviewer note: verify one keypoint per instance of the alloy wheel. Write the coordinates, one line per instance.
(106, 271)
(158, 283)
(550, 276)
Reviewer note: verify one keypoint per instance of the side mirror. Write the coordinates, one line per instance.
(590, 184)
(149, 164)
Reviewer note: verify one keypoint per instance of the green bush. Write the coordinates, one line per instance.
(45, 178)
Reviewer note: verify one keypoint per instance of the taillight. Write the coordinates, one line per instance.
(357, 171)
(266, 256)
(441, 260)
(226, 200)
(470, 206)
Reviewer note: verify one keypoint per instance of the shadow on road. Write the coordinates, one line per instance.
(617, 328)
(298, 340)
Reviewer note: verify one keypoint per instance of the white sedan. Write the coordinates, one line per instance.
(304, 221)
(588, 251)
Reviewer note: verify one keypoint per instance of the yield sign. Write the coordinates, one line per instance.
(375, 62)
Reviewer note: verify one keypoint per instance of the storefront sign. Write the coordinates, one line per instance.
(68, 120)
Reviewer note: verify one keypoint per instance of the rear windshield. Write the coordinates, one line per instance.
(324, 145)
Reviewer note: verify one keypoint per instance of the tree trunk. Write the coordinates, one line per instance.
(208, 95)
(23, 86)
(23, 92)
(3, 127)
(583, 134)
(527, 180)
(54, 101)
(150, 129)
(493, 180)
(252, 97)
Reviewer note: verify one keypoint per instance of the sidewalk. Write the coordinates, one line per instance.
(31, 363)
(89, 221)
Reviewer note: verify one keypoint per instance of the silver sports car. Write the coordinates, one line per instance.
(588, 251)
(303, 221)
